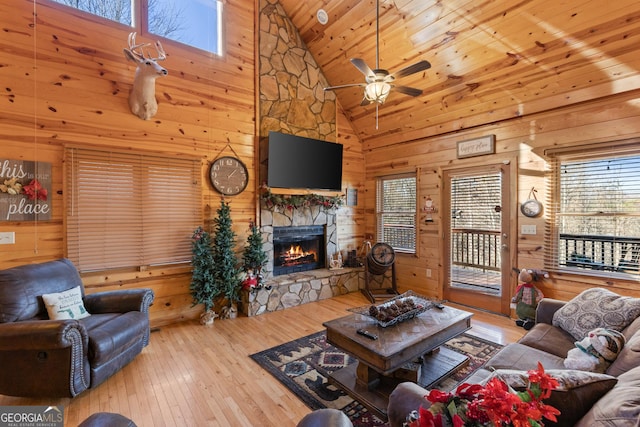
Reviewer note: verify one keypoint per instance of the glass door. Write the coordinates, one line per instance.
(477, 234)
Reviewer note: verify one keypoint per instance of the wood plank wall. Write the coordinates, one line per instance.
(66, 80)
(606, 119)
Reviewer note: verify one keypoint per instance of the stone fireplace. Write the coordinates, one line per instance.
(298, 248)
(291, 285)
(295, 222)
(287, 68)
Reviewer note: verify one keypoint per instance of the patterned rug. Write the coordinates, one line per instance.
(303, 365)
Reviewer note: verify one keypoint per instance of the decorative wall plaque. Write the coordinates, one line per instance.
(476, 147)
(25, 190)
(352, 197)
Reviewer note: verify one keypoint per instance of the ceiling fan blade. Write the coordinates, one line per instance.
(411, 91)
(345, 86)
(363, 67)
(365, 102)
(411, 69)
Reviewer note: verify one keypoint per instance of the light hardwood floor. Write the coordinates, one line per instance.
(193, 375)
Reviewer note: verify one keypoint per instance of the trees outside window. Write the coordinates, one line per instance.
(396, 212)
(193, 23)
(595, 212)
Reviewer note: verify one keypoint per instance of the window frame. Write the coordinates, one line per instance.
(154, 205)
(139, 24)
(588, 152)
(380, 212)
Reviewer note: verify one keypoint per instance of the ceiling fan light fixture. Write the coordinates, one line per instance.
(377, 92)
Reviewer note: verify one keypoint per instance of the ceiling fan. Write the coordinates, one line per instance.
(378, 81)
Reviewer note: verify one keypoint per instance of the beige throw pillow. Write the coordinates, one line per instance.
(596, 308)
(65, 305)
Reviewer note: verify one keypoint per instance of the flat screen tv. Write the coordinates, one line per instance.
(299, 162)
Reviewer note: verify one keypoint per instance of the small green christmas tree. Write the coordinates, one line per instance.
(203, 288)
(254, 257)
(226, 275)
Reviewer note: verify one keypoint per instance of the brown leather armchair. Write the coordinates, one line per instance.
(62, 358)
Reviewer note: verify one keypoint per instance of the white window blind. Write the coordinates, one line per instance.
(396, 212)
(595, 211)
(130, 210)
(476, 225)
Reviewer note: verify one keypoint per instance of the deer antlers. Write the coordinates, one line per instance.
(133, 48)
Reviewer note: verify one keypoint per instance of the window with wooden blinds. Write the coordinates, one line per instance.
(396, 212)
(130, 210)
(594, 211)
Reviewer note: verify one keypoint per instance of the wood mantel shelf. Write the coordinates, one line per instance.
(304, 191)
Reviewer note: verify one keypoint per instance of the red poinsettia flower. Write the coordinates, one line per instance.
(523, 413)
(457, 421)
(498, 401)
(427, 419)
(495, 404)
(437, 396)
(439, 421)
(34, 190)
(549, 412)
(542, 382)
(476, 412)
(468, 391)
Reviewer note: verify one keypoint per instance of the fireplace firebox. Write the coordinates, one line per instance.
(299, 248)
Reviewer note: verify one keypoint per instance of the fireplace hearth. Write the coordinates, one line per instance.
(298, 248)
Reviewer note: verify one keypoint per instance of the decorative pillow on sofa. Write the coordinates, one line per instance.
(576, 393)
(65, 305)
(596, 308)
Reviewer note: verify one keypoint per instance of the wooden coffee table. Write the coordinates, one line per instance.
(406, 351)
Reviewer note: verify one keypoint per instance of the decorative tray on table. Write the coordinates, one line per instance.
(395, 310)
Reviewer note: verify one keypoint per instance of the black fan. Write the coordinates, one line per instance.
(379, 82)
(380, 258)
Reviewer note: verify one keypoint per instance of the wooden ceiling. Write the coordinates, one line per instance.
(491, 59)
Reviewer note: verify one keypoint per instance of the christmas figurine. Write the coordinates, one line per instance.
(528, 296)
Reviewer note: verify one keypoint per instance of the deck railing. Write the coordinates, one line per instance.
(609, 253)
(481, 249)
(476, 248)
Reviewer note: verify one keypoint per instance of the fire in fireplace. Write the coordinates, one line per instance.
(298, 249)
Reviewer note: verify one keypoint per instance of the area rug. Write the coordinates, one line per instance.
(303, 365)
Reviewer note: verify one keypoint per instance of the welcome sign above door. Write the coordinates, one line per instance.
(25, 190)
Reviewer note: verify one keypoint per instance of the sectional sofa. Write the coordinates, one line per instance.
(585, 399)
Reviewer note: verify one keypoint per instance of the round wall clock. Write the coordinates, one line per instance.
(228, 175)
(531, 208)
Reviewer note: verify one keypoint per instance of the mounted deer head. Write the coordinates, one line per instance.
(142, 98)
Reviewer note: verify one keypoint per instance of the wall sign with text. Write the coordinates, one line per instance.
(476, 147)
(25, 190)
